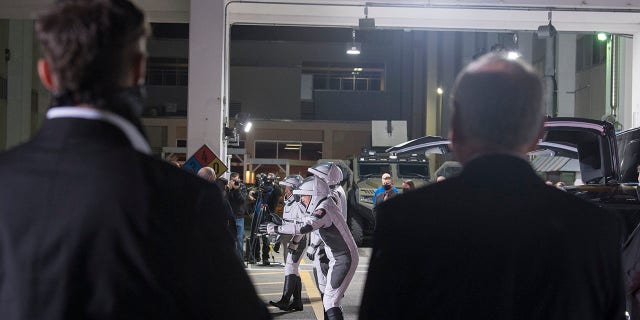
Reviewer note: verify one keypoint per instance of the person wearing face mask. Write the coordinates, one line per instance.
(387, 188)
(324, 214)
(408, 185)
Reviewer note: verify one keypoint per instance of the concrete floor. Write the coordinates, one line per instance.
(269, 280)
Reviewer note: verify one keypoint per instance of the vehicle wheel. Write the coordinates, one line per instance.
(356, 230)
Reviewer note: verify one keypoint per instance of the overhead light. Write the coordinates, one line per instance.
(439, 91)
(292, 148)
(357, 69)
(353, 48)
(294, 145)
(546, 31)
(247, 126)
(602, 36)
(512, 55)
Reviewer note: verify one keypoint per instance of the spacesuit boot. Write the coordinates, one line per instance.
(296, 304)
(290, 284)
(334, 313)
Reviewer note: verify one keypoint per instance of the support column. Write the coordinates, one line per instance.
(626, 87)
(635, 81)
(206, 106)
(19, 72)
(566, 74)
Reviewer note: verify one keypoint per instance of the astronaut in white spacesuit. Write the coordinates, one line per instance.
(325, 215)
(295, 245)
(332, 175)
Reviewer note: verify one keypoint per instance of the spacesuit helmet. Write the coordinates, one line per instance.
(327, 171)
(293, 181)
(315, 187)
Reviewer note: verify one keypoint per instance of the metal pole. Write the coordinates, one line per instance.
(550, 74)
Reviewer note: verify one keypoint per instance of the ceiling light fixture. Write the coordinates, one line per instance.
(353, 48)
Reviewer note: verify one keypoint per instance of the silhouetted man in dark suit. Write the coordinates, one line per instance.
(92, 226)
(494, 242)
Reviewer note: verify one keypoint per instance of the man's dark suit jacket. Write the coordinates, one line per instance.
(92, 229)
(494, 243)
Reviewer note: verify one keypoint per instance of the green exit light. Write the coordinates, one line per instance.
(602, 36)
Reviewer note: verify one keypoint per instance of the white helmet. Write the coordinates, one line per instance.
(292, 181)
(314, 187)
(327, 171)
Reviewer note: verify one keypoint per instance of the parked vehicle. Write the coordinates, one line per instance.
(589, 159)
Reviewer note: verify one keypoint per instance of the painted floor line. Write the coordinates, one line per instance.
(267, 283)
(263, 273)
(313, 294)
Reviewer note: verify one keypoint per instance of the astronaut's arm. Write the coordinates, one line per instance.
(313, 222)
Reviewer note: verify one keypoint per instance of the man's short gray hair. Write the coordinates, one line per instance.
(207, 173)
(498, 103)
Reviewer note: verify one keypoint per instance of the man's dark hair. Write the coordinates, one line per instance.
(233, 175)
(90, 46)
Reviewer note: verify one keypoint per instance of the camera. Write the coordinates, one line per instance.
(236, 183)
(263, 181)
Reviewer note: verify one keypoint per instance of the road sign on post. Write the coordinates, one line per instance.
(204, 157)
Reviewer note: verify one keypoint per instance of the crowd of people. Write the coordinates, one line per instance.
(94, 227)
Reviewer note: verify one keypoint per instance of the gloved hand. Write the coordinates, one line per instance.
(311, 252)
(269, 228)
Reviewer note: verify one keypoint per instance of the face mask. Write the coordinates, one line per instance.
(387, 187)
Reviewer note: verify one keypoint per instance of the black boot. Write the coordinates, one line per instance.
(296, 304)
(288, 289)
(335, 313)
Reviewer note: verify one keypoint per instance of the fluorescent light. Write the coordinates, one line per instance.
(292, 148)
(357, 69)
(294, 145)
(512, 55)
(247, 126)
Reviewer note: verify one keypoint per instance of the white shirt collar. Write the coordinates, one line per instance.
(133, 134)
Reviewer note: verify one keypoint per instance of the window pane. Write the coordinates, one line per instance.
(289, 150)
(320, 82)
(266, 149)
(347, 84)
(334, 84)
(374, 85)
(311, 151)
(361, 84)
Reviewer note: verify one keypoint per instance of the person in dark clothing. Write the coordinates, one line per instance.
(237, 196)
(267, 197)
(208, 174)
(495, 241)
(91, 225)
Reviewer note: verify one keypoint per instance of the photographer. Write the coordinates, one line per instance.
(267, 196)
(237, 195)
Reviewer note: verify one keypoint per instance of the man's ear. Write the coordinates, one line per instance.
(140, 69)
(46, 77)
(540, 135)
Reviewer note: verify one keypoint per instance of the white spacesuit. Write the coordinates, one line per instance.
(295, 245)
(324, 215)
(332, 175)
